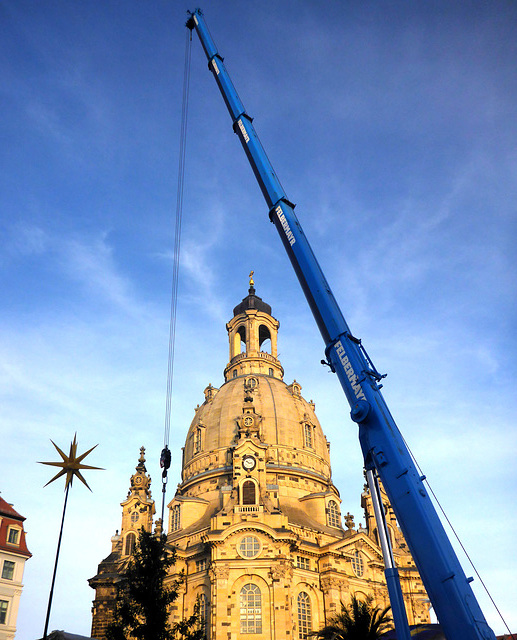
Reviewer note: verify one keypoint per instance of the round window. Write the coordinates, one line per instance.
(249, 547)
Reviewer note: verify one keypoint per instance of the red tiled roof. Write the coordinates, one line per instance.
(8, 516)
(7, 510)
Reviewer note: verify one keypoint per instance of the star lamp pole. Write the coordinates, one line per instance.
(71, 465)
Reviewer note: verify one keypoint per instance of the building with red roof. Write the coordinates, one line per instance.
(13, 556)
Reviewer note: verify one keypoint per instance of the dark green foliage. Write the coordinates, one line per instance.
(359, 620)
(143, 602)
(191, 628)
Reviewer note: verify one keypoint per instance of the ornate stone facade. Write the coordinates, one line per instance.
(137, 511)
(256, 520)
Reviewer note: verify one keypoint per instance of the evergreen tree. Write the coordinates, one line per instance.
(143, 602)
(359, 620)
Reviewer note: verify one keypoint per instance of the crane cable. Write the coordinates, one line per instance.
(456, 535)
(165, 457)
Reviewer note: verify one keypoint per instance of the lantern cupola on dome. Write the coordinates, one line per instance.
(253, 334)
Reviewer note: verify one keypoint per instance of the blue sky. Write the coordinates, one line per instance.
(391, 125)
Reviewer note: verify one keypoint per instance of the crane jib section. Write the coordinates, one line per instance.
(383, 447)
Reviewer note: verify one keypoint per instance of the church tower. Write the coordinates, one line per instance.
(257, 521)
(137, 511)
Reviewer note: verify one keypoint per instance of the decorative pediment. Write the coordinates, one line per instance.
(359, 542)
(210, 393)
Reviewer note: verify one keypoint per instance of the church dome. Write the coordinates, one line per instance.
(267, 409)
(255, 443)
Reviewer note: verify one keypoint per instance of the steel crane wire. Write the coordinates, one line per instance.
(456, 535)
(165, 457)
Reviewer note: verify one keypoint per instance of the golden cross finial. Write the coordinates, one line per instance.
(71, 464)
(252, 284)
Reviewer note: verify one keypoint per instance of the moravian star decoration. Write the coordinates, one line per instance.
(71, 464)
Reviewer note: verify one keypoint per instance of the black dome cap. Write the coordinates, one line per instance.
(252, 302)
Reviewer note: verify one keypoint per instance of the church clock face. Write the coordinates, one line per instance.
(249, 463)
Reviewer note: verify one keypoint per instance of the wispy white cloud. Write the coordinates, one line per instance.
(83, 262)
(90, 262)
(22, 240)
(47, 120)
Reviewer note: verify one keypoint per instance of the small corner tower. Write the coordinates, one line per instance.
(138, 508)
(137, 513)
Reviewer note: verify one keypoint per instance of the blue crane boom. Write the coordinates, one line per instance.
(384, 450)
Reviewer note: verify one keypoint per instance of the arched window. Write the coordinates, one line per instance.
(197, 440)
(130, 543)
(235, 373)
(248, 492)
(241, 332)
(332, 514)
(358, 564)
(307, 429)
(304, 615)
(250, 609)
(203, 611)
(264, 339)
(175, 518)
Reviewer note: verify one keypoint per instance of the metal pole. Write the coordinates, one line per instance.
(391, 572)
(55, 564)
